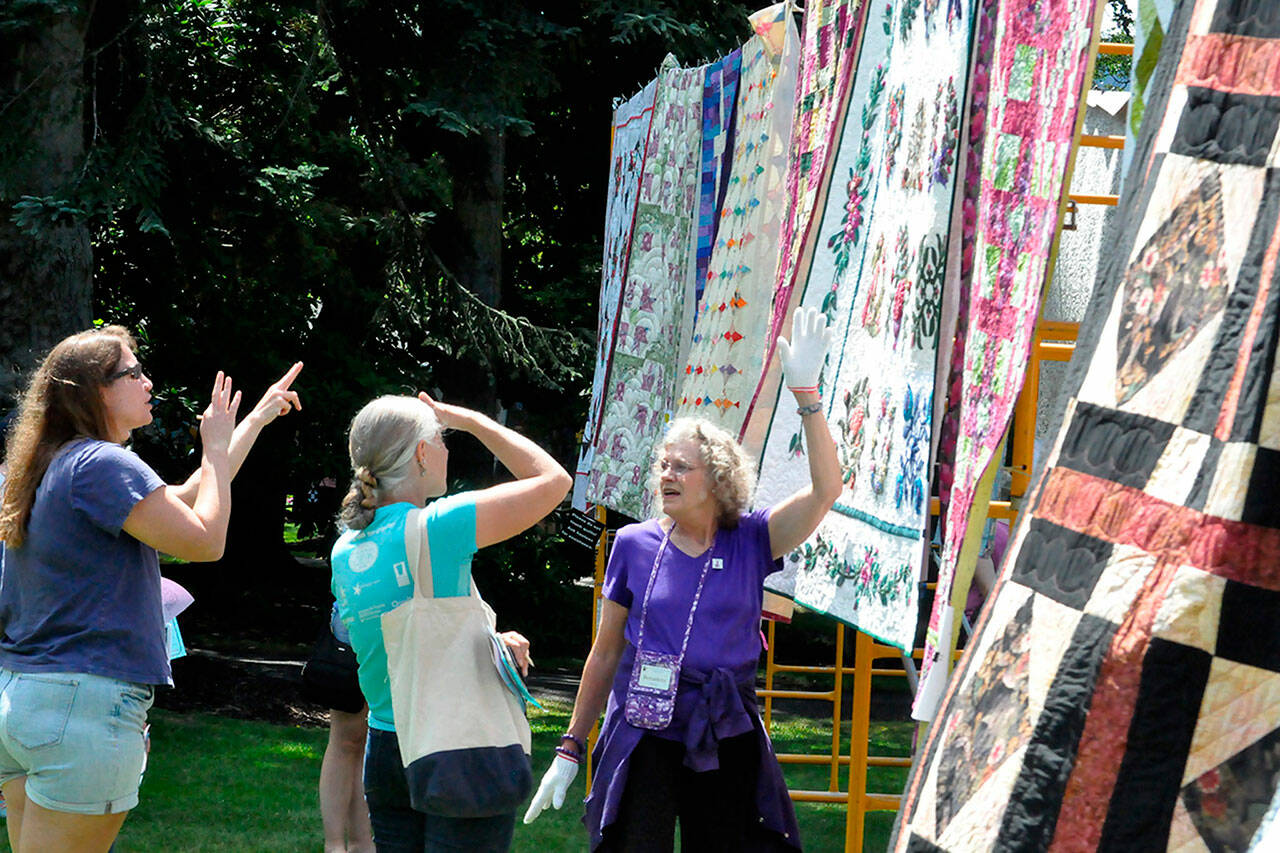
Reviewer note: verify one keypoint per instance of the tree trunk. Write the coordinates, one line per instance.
(477, 168)
(477, 171)
(46, 277)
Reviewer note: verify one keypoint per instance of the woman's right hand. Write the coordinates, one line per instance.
(553, 788)
(450, 416)
(219, 420)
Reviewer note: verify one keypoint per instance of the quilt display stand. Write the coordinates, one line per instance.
(1054, 341)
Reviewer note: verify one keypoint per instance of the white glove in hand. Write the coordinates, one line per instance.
(551, 791)
(803, 356)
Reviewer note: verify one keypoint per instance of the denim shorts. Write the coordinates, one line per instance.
(78, 738)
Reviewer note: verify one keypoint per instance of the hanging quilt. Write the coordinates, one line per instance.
(832, 35)
(630, 134)
(1122, 691)
(877, 272)
(719, 96)
(1038, 69)
(727, 355)
(952, 359)
(1150, 22)
(656, 311)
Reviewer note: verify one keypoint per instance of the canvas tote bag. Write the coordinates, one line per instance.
(464, 738)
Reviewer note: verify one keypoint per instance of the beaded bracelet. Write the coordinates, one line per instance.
(582, 747)
(568, 754)
(811, 409)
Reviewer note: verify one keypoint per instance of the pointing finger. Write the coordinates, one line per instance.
(289, 376)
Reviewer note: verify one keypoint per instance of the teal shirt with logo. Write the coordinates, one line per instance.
(371, 576)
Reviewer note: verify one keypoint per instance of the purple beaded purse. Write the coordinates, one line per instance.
(655, 676)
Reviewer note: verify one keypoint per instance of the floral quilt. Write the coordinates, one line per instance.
(631, 123)
(877, 273)
(656, 309)
(833, 31)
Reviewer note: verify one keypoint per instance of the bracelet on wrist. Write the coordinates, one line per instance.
(577, 741)
(568, 755)
(811, 409)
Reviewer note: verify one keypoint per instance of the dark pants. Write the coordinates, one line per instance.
(716, 808)
(399, 828)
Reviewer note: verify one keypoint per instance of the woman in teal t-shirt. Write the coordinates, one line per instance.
(399, 463)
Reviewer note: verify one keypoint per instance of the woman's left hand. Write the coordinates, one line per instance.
(518, 645)
(279, 398)
(803, 356)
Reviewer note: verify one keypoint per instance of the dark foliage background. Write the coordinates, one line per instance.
(404, 195)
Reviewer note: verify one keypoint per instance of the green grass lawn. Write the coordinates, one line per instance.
(219, 784)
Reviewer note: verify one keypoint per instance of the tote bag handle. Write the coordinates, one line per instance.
(418, 551)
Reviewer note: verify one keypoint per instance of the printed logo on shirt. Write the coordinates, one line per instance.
(402, 573)
(376, 611)
(358, 588)
(363, 556)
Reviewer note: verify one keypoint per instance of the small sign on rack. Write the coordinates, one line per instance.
(1069, 216)
(581, 529)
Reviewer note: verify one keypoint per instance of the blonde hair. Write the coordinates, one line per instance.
(731, 470)
(63, 401)
(382, 441)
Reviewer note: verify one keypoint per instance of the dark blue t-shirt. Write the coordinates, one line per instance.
(81, 595)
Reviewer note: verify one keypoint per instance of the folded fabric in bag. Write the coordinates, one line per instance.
(463, 735)
(507, 670)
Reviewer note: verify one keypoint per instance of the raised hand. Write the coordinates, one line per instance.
(803, 356)
(219, 420)
(279, 398)
(450, 416)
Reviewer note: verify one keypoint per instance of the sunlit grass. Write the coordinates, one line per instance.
(220, 784)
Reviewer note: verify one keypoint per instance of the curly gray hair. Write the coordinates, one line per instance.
(732, 471)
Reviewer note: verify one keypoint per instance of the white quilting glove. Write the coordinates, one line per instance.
(551, 791)
(803, 356)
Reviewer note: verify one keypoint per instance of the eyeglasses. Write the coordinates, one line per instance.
(677, 469)
(134, 370)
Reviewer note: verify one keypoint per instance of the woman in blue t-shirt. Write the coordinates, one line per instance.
(83, 643)
(399, 463)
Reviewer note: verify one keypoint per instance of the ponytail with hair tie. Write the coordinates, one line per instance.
(384, 437)
(368, 485)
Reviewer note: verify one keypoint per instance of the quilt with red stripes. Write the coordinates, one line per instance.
(1122, 691)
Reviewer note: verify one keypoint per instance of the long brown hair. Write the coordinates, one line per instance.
(62, 402)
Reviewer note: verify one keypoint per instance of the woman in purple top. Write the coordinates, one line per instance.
(82, 645)
(679, 640)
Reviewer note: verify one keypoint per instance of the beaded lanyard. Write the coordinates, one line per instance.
(644, 608)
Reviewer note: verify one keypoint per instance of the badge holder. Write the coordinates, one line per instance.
(655, 676)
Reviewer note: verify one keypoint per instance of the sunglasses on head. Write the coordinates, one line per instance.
(134, 370)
